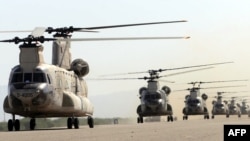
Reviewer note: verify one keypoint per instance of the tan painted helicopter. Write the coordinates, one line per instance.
(154, 101)
(244, 107)
(37, 89)
(220, 106)
(235, 108)
(195, 102)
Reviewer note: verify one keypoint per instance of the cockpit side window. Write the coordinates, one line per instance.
(38, 77)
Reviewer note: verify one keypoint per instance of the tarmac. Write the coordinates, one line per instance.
(193, 129)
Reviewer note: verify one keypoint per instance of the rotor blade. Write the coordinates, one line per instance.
(87, 29)
(185, 72)
(223, 87)
(160, 70)
(200, 82)
(111, 78)
(230, 92)
(224, 81)
(84, 30)
(121, 38)
(14, 31)
(166, 81)
(38, 31)
(211, 87)
(127, 25)
(196, 66)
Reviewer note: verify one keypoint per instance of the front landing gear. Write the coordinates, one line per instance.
(13, 124)
(170, 118)
(140, 119)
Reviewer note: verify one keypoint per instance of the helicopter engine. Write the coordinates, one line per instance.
(142, 89)
(166, 89)
(204, 96)
(80, 67)
(213, 102)
(187, 96)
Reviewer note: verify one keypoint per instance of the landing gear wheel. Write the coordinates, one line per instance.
(206, 116)
(140, 120)
(170, 118)
(185, 117)
(76, 123)
(90, 122)
(17, 125)
(69, 123)
(212, 116)
(32, 124)
(13, 123)
(10, 125)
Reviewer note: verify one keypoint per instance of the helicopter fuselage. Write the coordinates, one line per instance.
(195, 103)
(245, 110)
(219, 108)
(47, 91)
(233, 109)
(194, 106)
(154, 104)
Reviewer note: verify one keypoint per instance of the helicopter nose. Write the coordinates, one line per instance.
(154, 102)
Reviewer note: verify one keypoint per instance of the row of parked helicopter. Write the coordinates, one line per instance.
(37, 89)
(155, 102)
(236, 105)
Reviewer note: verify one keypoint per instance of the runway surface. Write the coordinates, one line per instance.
(189, 130)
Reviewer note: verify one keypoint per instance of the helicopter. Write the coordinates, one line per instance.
(154, 99)
(195, 102)
(39, 90)
(233, 108)
(244, 107)
(237, 109)
(220, 106)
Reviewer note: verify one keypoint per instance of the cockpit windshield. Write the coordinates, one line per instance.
(193, 102)
(219, 105)
(152, 96)
(36, 77)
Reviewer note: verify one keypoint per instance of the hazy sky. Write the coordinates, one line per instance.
(219, 32)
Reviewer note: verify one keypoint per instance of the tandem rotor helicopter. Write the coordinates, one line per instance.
(37, 89)
(195, 102)
(245, 108)
(237, 109)
(220, 106)
(154, 99)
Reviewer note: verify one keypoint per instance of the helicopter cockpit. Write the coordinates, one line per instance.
(19, 78)
(193, 102)
(36, 77)
(219, 105)
(28, 77)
